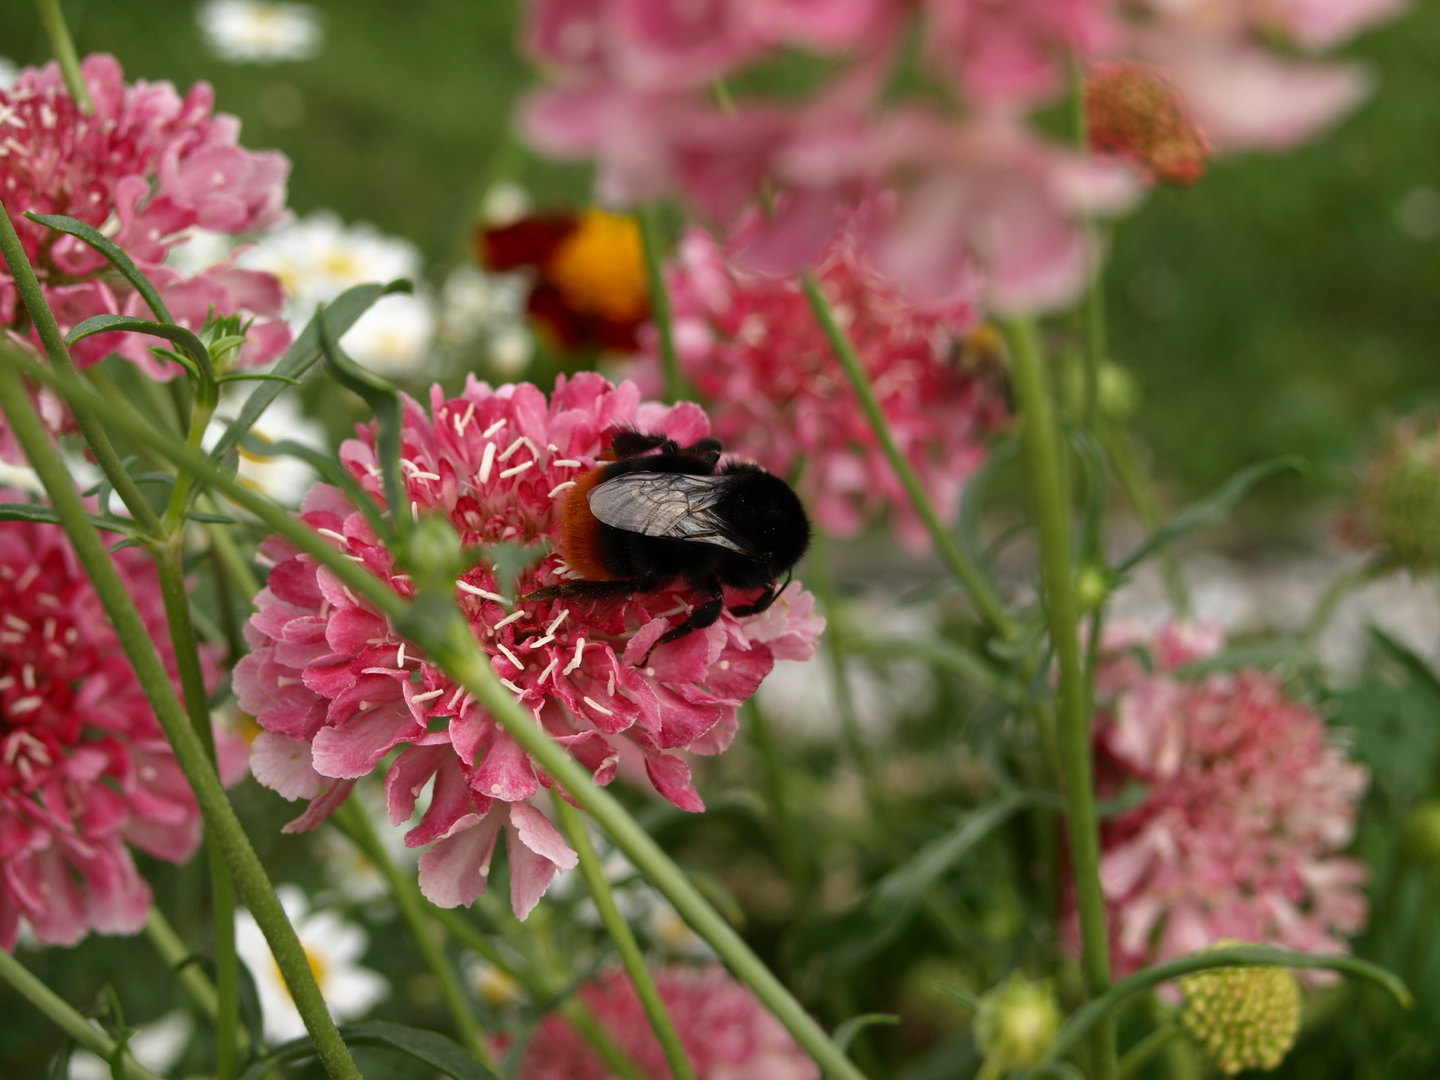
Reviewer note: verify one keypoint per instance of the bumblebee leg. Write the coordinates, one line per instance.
(585, 590)
(764, 600)
(703, 616)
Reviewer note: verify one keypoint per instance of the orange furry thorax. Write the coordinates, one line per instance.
(579, 539)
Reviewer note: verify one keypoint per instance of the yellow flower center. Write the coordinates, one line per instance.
(600, 267)
(317, 968)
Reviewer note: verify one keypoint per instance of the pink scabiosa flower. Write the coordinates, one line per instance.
(84, 767)
(1246, 805)
(336, 689)
(144, 168)
(726, 1033)
(750, 344)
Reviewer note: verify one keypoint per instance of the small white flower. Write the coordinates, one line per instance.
(333, 947)
(504, 204)
(19, 478)
(9, 72)
(200, 252)
(253, 32)
(281, 478)
(158, 1046)
(496, 988)
(394, 337)
(511, 348)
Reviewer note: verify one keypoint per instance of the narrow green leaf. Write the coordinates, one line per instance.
(1209, 511)
(1258, 654)
(186, 339)
(430, 1048)
(209, 519)
(330, 470)
(46, 515)
(846, 1032)
(1414, 666)
(964, 997)
(111, 251)
(304, 351)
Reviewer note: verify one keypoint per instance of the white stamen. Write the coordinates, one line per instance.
(558, 620)
(517, 690)
(510, 655)
(7, 682)
(475, 590)
(650, 671)
(429, 695)
(459, 693)
(517, 470)
(400, 655)
(598, 707)
(579, 652)
(17, 622)
(561, 487)
(333, 535)
(493, 428)
(26, 704)
(462, 422)
(549, 670)
(30, 573)
(610, 686)
(568, 461)
(27, 676)
(724, 665)
(540, 642)
(487, 462)
(508, 619)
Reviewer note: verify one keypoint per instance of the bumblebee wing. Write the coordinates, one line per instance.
(676, 506)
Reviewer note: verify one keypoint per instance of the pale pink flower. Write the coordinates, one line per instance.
(144, 167)
(750, 345)
(726, 1033)
(84, 767)
(336, 689)
(1247, 804)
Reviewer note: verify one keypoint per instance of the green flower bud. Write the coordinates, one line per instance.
(1422, 831)
(1091, 588)
(1117, 394)
(1017, 1021)
(433, 556)
(1244, 1017)
(1407, 504)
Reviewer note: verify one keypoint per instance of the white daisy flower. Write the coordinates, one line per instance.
(9, 72)
(282, 478)
(394, 337)
(158, 1046)
(504, 204)
(253, 32)
(333, 947)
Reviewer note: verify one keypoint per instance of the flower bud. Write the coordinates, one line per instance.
(1131, 110)
(1403, 497)
(1091, 588)
(1117, 395)
(1017, 1021)
(1244, 1017)
(432, 555)
(1422, 831)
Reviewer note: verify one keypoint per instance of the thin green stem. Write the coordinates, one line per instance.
(572, 1008)
(444, 635)
(28, 285)
(1340, 588)
(773, 778)
(1141, 493)
(991, 609)
(66, 1018)
(63, 49)
(167, 943)
(1139, 1055)
(1042, 450)
(624, 940)
(237, 568)
(660, 312)
(1232, 956)
(355, 823)
(220, 820)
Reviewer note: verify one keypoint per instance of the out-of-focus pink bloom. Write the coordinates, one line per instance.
(84, 767)
(726, 1033)
(336, 689)
(1246, 805)
(750, 345)
(144, 167)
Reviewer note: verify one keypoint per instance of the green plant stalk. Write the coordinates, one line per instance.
(232, 560)
(353, 821)
(1141, 494)
(220, 820)
(1232, 956)
(171, 574)
(1340, 588)
(201, 410)
(1139, 1055)
(572, 1008)
(1042, 452)
(625, 944)
(991, 609)
(63, 49)
(28, 285)
(660, 314)
(66, 1018)
(456, 652)
(787, 842)
(170, 948)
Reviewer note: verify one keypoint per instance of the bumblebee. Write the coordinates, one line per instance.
(659, 514)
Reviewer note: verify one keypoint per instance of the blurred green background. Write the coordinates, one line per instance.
(1285, 304)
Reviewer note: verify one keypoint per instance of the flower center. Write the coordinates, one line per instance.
(600, 267)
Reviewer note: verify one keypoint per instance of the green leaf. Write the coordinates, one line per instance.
(46, 515)
(304, 351)
(209, 519)
(111, 251)
(430, 1048)
(186, 339)
(845, 1034)
(972, 497)
(1258, 654)
(964, 997)
(946, 655)
(330, 470)
(257, 376)
(1209, 511)
(1414, 666)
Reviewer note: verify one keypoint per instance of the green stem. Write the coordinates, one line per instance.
(949, 548)
(28, 285)
(773, 777)
(625, 944)
(167, 943)
(1139, 1055)
(1340, 588)
(232, 560)
(66, 1018)
(571, 1008)
(1232, 956)
(220, 820)
(660, 313)
(176, 597)
(1141, 494)
(446, 637)
(355, 823)
(64, 50)
(1042, 452)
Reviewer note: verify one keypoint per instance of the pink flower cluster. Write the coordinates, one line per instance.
(1246, 805)
(750, 344)
(336, 689)
(84, 767)
(144, 167)
(631, 84)
(726, 1033)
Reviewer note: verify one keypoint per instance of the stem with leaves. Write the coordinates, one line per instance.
(1042, 450)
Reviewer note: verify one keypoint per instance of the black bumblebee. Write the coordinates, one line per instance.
(660, 513)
